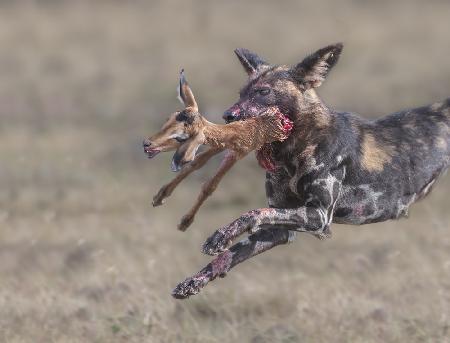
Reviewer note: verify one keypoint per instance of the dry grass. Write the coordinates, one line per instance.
(83, 256)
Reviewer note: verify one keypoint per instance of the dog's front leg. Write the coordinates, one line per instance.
(314, 217)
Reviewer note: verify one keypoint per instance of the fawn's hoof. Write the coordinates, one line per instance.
(186, 221)
(216, 244)
(158, 200)
(190, 286)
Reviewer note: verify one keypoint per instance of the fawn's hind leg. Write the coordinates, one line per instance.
(197, 163)
(253, 245)
(209, 187)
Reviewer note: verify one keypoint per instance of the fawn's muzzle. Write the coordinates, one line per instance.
(151, 152)
(146, 143)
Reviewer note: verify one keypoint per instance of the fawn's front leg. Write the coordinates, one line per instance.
(197, 163)
(209, 187)
(253, 245)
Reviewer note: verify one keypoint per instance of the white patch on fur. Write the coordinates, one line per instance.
(292, 235)
(427, 188)
(403, 209)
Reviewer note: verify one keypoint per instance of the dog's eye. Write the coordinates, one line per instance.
(263, 91)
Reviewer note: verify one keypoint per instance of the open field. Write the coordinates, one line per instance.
(84, 257)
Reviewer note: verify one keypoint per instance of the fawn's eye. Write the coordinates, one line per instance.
(181, 138)
(263, 91)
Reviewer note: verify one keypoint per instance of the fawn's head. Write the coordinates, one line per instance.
(183, 131)
(291, 89)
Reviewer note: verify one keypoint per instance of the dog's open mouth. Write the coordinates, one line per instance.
(151, 152)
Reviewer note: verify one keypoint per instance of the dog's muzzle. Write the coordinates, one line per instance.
(232, 114)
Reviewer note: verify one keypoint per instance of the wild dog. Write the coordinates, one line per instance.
(186, 130)
(335, 167)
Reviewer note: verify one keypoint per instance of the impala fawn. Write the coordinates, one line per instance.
(186, 130)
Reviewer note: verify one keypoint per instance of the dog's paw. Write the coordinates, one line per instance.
(190, 286)
(217, 243)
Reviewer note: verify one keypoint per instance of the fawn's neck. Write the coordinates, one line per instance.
(216, 135)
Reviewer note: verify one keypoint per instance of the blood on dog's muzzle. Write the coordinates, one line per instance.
(232, 114)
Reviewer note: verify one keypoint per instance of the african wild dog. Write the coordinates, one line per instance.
(186, 130)
(335, 166)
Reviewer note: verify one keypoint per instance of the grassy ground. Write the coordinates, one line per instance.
(84, 257)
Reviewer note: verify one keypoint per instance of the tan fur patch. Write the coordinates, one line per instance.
(287, 86)
(169, 121)
(308, 152)
(322, 120)
(436, 106)
(374, 156)
(312, 96)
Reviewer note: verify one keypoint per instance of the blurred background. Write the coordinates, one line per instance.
(83, 255)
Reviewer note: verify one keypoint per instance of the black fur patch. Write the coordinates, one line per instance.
(342, 212)
(185, 116)
(269, 190)
(271, 74)
(249, 60)
(329, 55)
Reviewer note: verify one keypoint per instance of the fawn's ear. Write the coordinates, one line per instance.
(185, 154)
(185, 94)
(249, 60)
(312, 71)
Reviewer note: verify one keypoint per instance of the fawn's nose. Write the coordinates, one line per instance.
(146, 143)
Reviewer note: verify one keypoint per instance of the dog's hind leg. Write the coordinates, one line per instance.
(253, 245)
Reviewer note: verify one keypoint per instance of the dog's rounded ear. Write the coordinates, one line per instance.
(185, 94)
(312, 71)
(250, 61)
